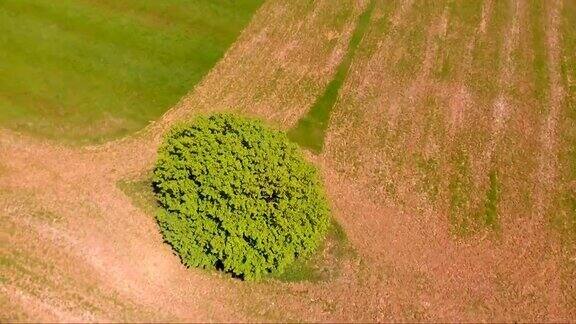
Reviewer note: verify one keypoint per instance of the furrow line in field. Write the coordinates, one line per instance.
(461, 97)
(396, 21)
(421, 83)
(486, 13)
(501, 106)
(487, 8)
(380, 62)
(399, 15)
(310, 130)
(42, 310)
(548, 160)
(437, 32)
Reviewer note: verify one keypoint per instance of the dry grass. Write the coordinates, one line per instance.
(452, 137)
(429, 145)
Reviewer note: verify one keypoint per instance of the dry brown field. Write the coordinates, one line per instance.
(450, 162)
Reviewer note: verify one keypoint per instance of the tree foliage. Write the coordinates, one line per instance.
(238, 196)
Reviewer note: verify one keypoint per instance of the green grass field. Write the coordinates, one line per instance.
(88, 71)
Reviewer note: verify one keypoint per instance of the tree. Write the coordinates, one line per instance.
(237, 196)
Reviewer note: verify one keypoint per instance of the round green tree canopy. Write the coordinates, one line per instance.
(238, 196)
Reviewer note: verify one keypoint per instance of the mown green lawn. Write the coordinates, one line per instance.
(86, 71)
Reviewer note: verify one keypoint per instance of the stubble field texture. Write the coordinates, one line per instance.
(445, 133)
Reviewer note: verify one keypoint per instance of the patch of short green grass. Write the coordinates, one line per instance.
(466, 216)
(460, 188)
(489, 214)
(141, 192)
(323, 265)
(88, 71)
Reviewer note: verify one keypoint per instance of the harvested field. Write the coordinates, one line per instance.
(448, 160)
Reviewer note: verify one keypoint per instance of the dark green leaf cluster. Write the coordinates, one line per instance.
(238, 196)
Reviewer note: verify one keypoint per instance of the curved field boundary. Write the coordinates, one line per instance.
(84, 72)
